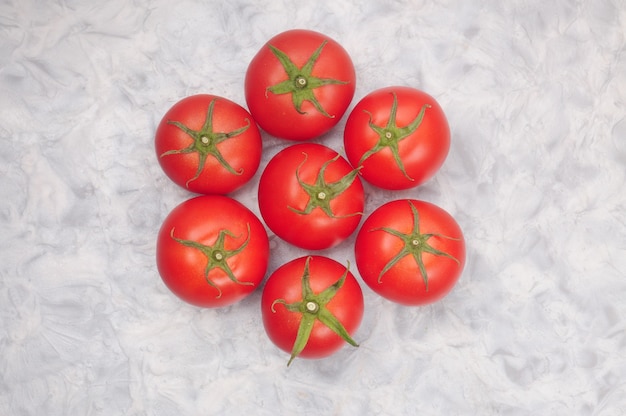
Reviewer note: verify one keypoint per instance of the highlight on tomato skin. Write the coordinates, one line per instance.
(212, 251)
(399, 136)
(208, 144)
(411, 252)
(311, 307)
(299, 84)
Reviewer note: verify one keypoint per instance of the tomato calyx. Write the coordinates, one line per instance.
(321, 193)
(312, 307)
(205, 142)
(217, 255)
(391, 134)
(415, 245)
(301, 83)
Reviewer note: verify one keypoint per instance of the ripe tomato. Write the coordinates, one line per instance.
(212, 251)
(399, 135)
(311, 306)
(411, 252)
(299, 85)
(208, 144)
(310, 196)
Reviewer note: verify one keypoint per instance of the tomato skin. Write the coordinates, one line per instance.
(403, 283)
(276, 113)
(279, 190)
(242, 152)
(200, 219)
(285, 283)
(423, 152)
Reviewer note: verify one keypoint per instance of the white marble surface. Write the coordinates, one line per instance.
(535, 93)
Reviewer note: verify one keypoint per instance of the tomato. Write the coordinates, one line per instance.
(310, 196)
(212, 251)
(299, 85)
(311, 306)
(208, 144)
(410, 251)
(399, 135)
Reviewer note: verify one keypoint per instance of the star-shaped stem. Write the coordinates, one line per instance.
(205, 142)
(301, 82)
(322, 192)
(391, 134)
(415, 245)
(217, 255)
(312, 307)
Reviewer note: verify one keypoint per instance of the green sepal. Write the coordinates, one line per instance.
(312, 307)
(321, 193)
(415, 244)
(301, 83)
(390, 135)
(205, 143)
(217, 255)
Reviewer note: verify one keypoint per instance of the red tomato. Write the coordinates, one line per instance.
(411, 252)
(208, 144)
(399, 135)
(212, 251)
(299, 85)
(311, 306)
(310, 196)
